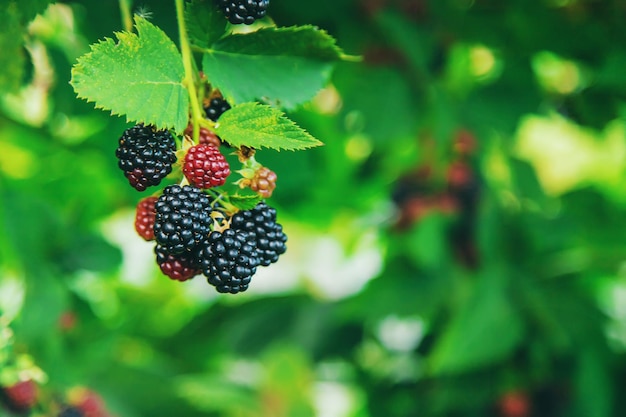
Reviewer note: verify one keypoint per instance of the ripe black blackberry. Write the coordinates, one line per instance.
(145, 155)
(243, 11)
(270, 240)
(182, 218)
(229, 260)
(179, 267)
(70, 411)
(217, 106)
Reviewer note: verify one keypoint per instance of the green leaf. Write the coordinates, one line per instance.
(260, 126)
(204, 24)
(284, 66)
(140, 76)
(12, 56)
(29, 8)
(485, 329)
(245, 202)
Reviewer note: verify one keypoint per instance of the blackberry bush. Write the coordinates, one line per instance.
(187, 115)
(229, 260)
(205, 166)
(182, 219)
(269, 238)
(146, 155)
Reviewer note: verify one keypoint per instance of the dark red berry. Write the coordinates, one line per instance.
(92, 405)
(206, 136)
(145, 155)
(179, 267)
(144, 218)
(22, 395)
(205, 166)
(514, 404)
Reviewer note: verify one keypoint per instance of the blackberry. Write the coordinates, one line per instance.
(217, 106)
(145, 155)
(70, 411)
(264, 182)
(206, 136)
(228, 260)
(205, 166)
(179, 267)
(182, 218)
(269, 238)
(243, 11)
(144, 218)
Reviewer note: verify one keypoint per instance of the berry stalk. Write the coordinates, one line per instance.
(127, 19)
(189, 80)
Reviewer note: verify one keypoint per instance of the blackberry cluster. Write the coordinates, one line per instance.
(243, 11)
(188, 243)
(229, 259)
(182, 219)
(145, 155)
(217, 106)
(269, 238)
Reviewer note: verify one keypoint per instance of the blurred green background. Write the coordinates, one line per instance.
(456, 248)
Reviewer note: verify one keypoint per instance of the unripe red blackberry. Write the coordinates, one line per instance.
(145, 155)
(269, 238)
(229, 260)
(217, 106)
(21, 396)
(144, 218)
(263, 182)
(205, 166)
(243, 11)
(179, 267)
(206, 136)
(182, 218)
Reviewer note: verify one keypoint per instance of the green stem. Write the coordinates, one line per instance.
(190, 75)
(127, 20)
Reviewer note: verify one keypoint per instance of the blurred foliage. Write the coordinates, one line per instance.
(455, 249)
